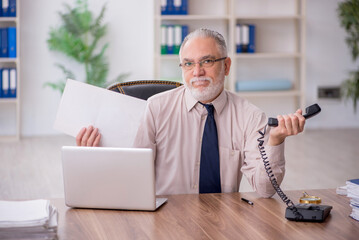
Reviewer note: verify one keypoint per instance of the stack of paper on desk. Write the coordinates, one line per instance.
(353, 193)
(117, 116)
(35, 219)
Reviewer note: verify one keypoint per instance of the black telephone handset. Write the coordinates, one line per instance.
(294, 212)
(310, 111)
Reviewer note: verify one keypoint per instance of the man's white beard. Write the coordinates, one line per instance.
(205, 93)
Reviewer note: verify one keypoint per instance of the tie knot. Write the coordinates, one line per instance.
(210, 108)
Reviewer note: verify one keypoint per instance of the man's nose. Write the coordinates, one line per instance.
(198, 70)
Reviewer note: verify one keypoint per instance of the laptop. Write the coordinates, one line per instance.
(110, 178)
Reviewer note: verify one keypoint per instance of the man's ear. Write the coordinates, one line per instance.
(227, 65)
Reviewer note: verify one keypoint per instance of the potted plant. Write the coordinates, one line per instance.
(348, 12)
(78, 38)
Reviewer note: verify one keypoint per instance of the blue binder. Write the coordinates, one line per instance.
(244, 37)
(238, 39)
(177, 38)
(184, 31)
(177, 5)
(5, 83)
(251, 45)
(12, 8)
(170, 39)
(170, 7)
(11, 36)
(3, 43)
(184, 7)
(4, 9)
(163, 7)
(163, 39)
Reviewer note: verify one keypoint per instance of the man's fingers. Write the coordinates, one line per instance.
(281, 122)
(288, 124)
(295, 124)
(79, 136)
(86, 136)
(92, 137)
(97, 140)
(301, 119)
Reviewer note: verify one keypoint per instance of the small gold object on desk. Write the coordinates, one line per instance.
(310, 199)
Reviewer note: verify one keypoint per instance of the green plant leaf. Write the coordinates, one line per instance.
(350, 88)
(59, 86)
(348, 13)
(78, 38)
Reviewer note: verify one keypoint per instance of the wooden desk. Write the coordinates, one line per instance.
(209, 216)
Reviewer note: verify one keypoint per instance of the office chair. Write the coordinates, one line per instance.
(143, 89)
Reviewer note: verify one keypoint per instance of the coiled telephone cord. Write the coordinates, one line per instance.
(273, 179)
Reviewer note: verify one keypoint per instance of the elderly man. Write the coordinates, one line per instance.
(204, 137)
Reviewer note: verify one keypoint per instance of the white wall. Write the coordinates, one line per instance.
(328, 64)
(130, 33)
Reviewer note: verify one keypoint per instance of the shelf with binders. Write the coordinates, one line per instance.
(173, 33)
(9, 71)
(275, 69)
(279, 54)
(271, 38)
(9, 102)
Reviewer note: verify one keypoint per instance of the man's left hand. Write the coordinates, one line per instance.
(288, 125)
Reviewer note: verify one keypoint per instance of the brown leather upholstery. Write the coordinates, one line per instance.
(143, 88)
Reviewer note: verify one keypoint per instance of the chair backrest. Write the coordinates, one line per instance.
(143, 89)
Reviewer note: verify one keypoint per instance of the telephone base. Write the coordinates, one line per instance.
(310, 212)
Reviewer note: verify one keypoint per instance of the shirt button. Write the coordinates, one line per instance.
(232, 153)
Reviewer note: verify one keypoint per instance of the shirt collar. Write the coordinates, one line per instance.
(218, 103)
(190, 101)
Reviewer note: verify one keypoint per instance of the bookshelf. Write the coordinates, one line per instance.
(10, 107)
(280, 42)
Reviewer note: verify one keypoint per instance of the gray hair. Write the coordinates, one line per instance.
(207, 33)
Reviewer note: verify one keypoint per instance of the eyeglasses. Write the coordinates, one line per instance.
(206, 63)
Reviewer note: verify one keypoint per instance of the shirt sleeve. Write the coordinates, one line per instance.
(145, 137)
(253, 166)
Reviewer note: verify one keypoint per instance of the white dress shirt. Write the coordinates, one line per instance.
(173, 127)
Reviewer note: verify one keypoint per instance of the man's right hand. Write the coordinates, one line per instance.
(89, 137)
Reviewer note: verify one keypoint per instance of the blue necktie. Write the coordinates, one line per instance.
(209, 177)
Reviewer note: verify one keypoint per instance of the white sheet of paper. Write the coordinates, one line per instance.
(23, 211)
(117, 116)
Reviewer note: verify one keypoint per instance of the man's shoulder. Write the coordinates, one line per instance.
(167, 95)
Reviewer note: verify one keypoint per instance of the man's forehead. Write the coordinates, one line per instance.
(208, 56)
(200, 48)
